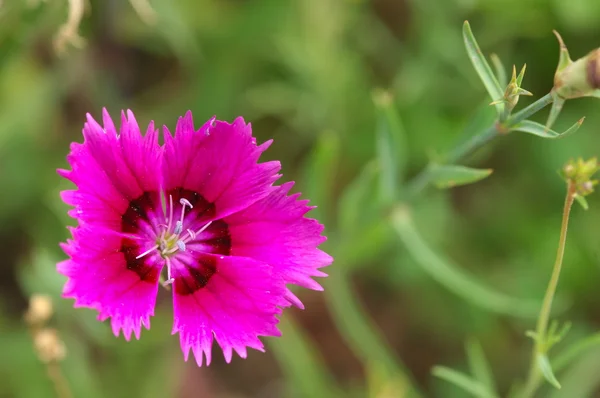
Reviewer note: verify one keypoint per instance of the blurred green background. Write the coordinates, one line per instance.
(303, 73)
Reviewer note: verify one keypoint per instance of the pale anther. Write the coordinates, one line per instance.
(181, 245)
(178, 227)
(185, 202)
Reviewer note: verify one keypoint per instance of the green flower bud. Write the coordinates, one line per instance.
(579, 173)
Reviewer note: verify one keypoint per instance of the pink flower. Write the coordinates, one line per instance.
(201, 210)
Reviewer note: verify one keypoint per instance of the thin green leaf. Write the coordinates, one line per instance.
(483, 68)
(463, 381)
(391, 145)
(531, 127)
(500, 70)
(479, 365)
(448, 176)
(455, 279)
(557, 106)
(320, 170)
(546, 369)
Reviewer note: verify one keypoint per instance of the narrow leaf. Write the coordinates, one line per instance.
(531, 127)
(500, 70)
(319, 171)
(546, 369)
(461, 380)
(448, 176)
(482, 67)
(391, 146)
(452, 277)
(557, 106)
(479, 365)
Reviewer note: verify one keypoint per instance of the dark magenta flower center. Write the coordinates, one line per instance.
(176, 230)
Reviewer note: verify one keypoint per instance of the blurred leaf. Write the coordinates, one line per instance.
(564, 358)
(358, 330)
(531, 127)
(479, 365)
(448, 176)
(463, 381)
(391, 146)
(546, 369)
(500, 70)
(582, 201)
(581, 379)
(363, 232)
(483, 68)
(302, 365)
(382, 384)
(319, 173)
(455, 279)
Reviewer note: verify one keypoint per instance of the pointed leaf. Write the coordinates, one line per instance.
(391, 146)
(500, 70)
(479, 365)
(531, 127)
(448, 176)
(463, 381)
(582, 201)
(453, 277)
(482, 67)
(546, 369)
(521, 75)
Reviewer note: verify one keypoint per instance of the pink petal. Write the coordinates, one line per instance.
(218, 161)
(99, 279)
(238, 303)
(275, 230)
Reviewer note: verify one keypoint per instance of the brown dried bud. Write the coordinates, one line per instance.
(49, 346)
(40, 309)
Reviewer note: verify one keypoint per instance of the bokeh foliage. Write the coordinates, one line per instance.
(303, 72)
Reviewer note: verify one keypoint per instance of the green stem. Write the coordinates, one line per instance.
(540, 348)
(418, 184)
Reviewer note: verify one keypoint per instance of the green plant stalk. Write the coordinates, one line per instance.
(418, 184)
(539, 347)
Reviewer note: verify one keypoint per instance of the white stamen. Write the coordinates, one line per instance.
(147, 252)
(181, 245)
(170, 279)
(192, 234)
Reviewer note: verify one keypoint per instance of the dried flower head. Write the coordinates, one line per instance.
(49, 346)
(203, 210)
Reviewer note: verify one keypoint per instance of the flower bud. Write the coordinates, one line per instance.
(580, 173)
(580, 78)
